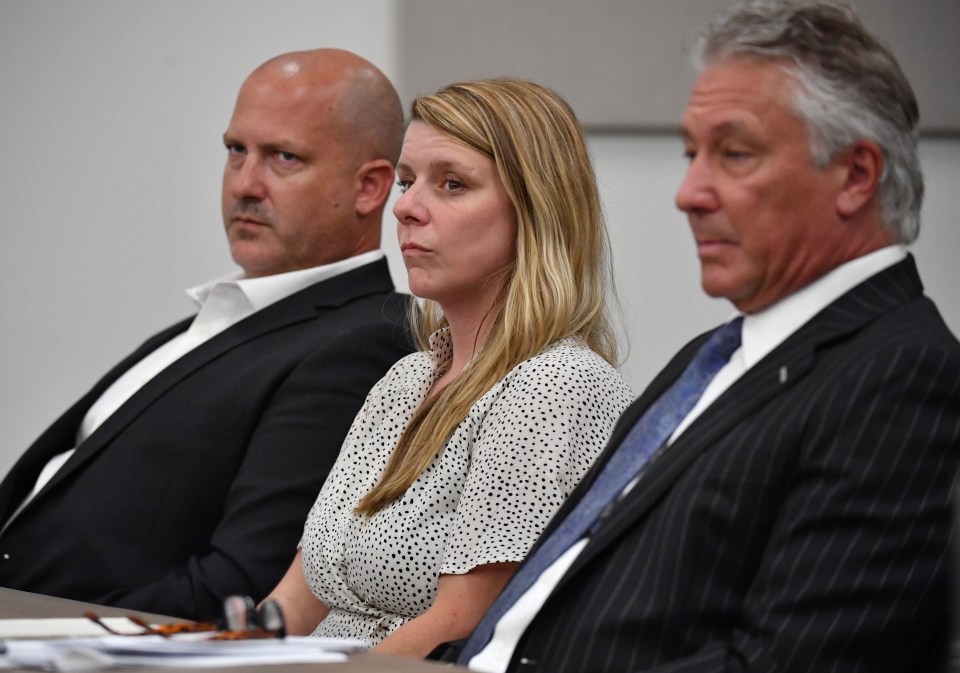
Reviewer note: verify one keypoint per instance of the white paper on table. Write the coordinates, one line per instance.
(195, 651)
(63, 627)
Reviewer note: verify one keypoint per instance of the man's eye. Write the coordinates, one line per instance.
(236, 149)
(287, 156)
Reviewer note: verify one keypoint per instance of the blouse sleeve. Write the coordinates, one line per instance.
(539, 431)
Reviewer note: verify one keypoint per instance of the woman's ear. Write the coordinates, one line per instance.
(863, 163)
(375, 178)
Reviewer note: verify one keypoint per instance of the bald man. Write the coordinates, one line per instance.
(185, 474)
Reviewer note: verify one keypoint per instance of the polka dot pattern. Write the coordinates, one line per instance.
(484, 499)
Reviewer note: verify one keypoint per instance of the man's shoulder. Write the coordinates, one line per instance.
(917, 323)
(369, 315)
(893, 311)
(372, 278)
(362, 293)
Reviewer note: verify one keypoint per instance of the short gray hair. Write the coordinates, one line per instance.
(847, 87)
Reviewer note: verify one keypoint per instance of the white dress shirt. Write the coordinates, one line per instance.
(222, 302)
(761, 333)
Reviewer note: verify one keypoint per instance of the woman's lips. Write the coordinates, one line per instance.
(412, 249)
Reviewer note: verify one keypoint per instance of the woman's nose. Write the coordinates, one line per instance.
(409, 208)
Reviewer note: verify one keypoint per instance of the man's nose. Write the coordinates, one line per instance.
(696, 192)
(246, 180)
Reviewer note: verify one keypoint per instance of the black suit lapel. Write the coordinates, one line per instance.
(62, 433)
(303, 305)
(744, 398)
(778, 371)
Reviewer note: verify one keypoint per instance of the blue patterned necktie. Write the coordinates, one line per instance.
(653, 429)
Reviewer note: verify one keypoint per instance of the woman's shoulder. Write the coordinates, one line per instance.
(571, 354)
(407, 372)
(570, 362)
(415, 364)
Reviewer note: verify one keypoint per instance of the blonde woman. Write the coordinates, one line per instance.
(464, 450)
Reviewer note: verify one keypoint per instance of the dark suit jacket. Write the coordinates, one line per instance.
(198, 486)
(800, 524)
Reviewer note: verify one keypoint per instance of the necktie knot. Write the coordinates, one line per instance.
(717, 350)
(727, 339)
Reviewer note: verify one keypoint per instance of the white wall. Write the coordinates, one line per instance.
(111, 117)
(111, 113)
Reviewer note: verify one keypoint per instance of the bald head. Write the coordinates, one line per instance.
(352, 92)
(312, 146)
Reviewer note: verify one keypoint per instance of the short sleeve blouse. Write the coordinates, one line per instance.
(484, 499)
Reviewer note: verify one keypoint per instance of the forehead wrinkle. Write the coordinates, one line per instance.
(443, 164)
(730, 128)
(719, 130)
(266, 142)
(451, 165)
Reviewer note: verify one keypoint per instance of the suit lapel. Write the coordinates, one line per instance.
(62, 434)
(301, 306)
(787, 364)
(744, 398)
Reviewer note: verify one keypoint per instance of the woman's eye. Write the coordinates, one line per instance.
(404, 184)
(452, 185)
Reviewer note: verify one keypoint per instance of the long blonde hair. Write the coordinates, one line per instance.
(558, 284)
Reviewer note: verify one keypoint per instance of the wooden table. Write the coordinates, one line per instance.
(22, 605)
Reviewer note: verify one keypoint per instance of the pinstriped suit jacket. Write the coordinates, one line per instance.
(800, 524)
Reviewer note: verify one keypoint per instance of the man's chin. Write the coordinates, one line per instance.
(714, 284)
(721, 288)
(252, 260)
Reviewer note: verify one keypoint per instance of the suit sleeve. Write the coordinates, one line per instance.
(856, 571)
(288, 457)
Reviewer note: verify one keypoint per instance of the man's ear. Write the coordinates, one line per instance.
(863, 163)
(375, 178)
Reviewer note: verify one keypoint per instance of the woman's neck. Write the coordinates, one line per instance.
(468, 333)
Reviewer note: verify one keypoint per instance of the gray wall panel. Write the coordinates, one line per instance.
(622, 63)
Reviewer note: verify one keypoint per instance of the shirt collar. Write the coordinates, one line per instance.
(441, 348)
(765, 330)
(261, 292)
